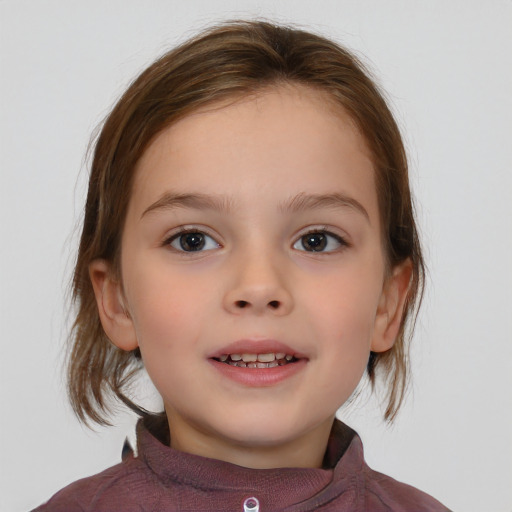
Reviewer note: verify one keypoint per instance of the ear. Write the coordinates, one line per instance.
(391, 307)
(116, 321)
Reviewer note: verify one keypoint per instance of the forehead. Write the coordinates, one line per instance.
(290, 138)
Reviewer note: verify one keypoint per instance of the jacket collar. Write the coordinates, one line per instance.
(343, 460)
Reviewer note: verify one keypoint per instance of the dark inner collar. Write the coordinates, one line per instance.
(339, 439)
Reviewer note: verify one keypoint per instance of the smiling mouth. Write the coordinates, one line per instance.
(269, 360)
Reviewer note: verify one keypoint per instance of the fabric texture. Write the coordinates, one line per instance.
(160, 478)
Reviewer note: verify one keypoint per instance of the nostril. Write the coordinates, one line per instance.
(242, 304)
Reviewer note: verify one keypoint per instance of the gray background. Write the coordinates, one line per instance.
(446, 66)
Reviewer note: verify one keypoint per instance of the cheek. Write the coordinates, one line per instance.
(348, 324)
(349, 297)
(344, 316)
(165, 308)
(165, 316)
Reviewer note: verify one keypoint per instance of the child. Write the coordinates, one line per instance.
(249, 238)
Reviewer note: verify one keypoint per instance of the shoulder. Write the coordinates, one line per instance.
(105, 491)
(371, 490)
(386, 493)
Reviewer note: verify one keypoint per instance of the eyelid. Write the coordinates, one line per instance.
(340, 238)
(183, 230)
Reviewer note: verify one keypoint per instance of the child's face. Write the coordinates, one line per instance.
(254, 229)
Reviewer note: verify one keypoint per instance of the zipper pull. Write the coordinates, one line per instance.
(251, 505)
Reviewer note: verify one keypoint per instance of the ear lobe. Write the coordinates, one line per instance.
(391, 307)
(116, 322)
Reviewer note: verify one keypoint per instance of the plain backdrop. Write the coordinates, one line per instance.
(446, 67)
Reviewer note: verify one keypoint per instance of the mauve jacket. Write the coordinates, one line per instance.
(162, 479)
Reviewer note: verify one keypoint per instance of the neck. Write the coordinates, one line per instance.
(305, 451)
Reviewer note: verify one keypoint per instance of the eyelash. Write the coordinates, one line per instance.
(184, 231)
(342, 243)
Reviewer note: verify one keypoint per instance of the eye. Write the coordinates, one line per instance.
(192, 241)
(319, 241)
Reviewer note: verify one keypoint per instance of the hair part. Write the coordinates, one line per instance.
(227, 62)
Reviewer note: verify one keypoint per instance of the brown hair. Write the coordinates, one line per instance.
(229, 61)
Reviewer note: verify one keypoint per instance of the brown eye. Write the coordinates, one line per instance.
(193, 241)
(319, 241)
(314, 242)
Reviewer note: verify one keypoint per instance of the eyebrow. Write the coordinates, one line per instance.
(171, 200)
(303, 202)
(299, 203)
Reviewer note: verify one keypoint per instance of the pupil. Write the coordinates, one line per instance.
(314, 242)
(192, 241)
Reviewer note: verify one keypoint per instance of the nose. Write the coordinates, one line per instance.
(257, 287)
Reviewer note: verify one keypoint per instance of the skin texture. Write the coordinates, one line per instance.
(257, 160)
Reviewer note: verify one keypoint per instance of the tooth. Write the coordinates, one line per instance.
(289, 358)
(249, 358)
(236, 357)
(266, 358)
(252, 365)
(273, 364)
(262, 365)
(241, 364)
(223, 358)
(280, 355)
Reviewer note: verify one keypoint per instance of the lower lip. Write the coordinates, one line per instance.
(259, 377)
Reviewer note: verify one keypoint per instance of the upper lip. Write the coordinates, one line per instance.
(256, 346)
